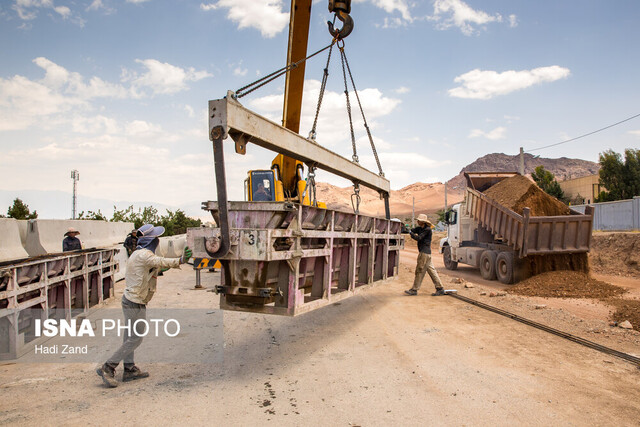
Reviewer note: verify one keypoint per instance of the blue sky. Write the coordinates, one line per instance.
(119, 89)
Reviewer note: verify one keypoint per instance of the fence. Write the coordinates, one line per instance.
(621, 215)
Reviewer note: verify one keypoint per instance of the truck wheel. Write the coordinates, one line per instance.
(505, 268)
(449, 264)
(488, 265)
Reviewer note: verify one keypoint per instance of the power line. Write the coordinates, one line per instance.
(586, 134)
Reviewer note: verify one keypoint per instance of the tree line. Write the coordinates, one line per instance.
(174, 222)
(621, 178)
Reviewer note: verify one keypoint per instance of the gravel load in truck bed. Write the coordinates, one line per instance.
(518, 192)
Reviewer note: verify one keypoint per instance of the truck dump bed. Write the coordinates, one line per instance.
(527, 234)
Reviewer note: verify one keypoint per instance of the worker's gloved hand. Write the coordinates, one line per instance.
(186, 255)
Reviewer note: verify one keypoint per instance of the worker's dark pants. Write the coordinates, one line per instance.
(130, 339)
(424, 266)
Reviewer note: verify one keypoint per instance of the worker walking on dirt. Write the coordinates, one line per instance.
(422, 234)
(141, 277)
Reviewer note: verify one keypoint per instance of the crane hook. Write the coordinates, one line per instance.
(342, 10)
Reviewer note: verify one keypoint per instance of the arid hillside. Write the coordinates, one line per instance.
(429, 197)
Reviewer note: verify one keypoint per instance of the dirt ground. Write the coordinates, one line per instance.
(378, 358)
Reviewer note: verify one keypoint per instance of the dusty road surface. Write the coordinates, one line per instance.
(380, 358)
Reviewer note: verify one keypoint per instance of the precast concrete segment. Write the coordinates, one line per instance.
(172, 246)
(44, 236)
(10, 242)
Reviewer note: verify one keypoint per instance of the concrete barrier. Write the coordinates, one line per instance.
(44, 236)
(172, 246)
(10, 243)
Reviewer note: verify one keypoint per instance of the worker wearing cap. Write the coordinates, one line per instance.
(131, 242)
(422, 234)
(71, 241)
(143, 267)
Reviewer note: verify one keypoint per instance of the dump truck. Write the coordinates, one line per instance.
(509, 245)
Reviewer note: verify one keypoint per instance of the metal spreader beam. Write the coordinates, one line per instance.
(244, 126)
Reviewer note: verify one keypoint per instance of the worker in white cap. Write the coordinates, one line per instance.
(71, 241)
(141, 278)
(422, 234)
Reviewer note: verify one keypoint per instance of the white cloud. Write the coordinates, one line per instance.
(634, 132)
(513, 21)
(333, 124)
(493, 135)
(63, 11)
(265, 16)
(402, 90)
(240, 72)
(137, 1)
(479, 84)
(162, 77)
(457, 13)
(391, 6)
(28, 10)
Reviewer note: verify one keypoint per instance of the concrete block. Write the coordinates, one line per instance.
(172, 246)
(44, 236)
(11, 247)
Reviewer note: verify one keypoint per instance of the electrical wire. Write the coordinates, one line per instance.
(586, 134)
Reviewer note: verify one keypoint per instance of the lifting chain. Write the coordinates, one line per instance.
(346, 94)
(323, 85)
(311, 185)
(355, 198)
(364, 119)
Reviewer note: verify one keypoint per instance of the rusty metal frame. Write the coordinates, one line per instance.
(353, 252)
(33, 281)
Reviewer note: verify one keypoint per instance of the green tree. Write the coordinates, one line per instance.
(176, 222)
(20, 211)
(548, 183)
(92, 216)
(621, 179)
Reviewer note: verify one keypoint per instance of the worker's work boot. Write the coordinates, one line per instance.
(133, 373)
(108, 375)
(438, 292)
(411, 292)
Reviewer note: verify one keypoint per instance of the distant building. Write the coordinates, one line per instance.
(587, 187)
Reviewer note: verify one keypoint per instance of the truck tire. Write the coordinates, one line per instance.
(505, 268)
(449, 264)
(488, 265)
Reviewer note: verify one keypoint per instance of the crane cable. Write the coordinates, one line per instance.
(245, 90)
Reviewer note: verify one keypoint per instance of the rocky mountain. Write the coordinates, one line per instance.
(429, 197)
(563, 168)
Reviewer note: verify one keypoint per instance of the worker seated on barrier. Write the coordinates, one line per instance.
(71, 241)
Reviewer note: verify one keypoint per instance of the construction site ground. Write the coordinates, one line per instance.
(377, 358)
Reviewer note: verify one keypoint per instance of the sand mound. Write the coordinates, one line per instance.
(627, 310)
(518, 192)
(566, 284)
(616, 253)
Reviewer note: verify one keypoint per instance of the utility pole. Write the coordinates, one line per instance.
(75, 175)
(521, 161)
(445, 196)
(413, 213)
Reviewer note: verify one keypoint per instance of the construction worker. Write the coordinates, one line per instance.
(422, 234)
(141, 277)
(71, 241)
(131, 242)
